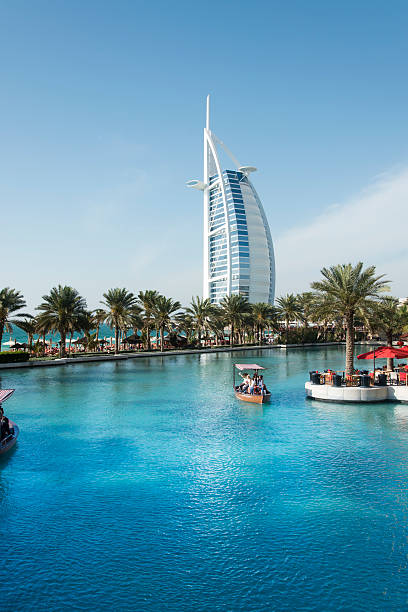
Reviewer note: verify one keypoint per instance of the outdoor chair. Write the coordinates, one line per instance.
(393, 378)
(403, 378)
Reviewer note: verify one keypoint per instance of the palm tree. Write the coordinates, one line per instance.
(288, 309)
(201, 311)
(233, 309)
(388, 316)
(217, 324)
(85, 324)
(263, 316)
(60, 311)
(308, 309)
(163, 310)
(42, 328)
(349, 289)
(148, 299)
(136, 320)
(29, 326)
(120, 305)
(307, 302)
(10, 302)
(185, 323)
(99, 316)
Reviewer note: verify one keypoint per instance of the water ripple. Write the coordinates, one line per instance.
(147, 486)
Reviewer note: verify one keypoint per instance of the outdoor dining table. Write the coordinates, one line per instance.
(355, 378)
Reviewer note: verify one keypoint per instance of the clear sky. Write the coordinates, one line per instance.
(102, 108)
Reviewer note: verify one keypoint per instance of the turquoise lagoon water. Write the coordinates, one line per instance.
(145, 485)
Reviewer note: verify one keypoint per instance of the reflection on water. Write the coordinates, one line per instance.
(145, 485)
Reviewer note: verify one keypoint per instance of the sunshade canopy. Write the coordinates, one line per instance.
(132, 339)
(248, 366)
(5, 394)
(385, 352)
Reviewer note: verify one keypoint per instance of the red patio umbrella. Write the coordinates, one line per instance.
(385, 352)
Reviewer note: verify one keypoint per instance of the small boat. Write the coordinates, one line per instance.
(256, 397)
(8, 430)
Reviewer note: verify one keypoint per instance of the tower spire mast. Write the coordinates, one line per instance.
(207, 123)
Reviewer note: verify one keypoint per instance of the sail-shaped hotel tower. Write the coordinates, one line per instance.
(238, 249)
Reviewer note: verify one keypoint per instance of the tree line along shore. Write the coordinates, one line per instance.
(346, 303)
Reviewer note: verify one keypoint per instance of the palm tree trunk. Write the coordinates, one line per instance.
(232, 335)
(62, 343)
(97, 339)
(349, 344)
(287, 330)
(1, 331)
(148, 337)
(116, 339)
(70, 342)
(161, 338)
(390, 361)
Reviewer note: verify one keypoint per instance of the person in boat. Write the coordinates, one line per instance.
(245, 383)
(4, 427)
(262, 386)
(257, 386)
(251, 389)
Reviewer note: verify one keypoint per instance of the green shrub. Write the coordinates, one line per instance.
(306, 335)
(13, 357)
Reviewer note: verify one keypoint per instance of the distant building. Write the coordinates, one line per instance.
(238, 249)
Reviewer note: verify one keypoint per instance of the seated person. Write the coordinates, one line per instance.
(4, 427)
(262, 386)
(245, 383)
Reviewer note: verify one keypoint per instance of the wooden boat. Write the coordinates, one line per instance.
(11, 439)
(8, 441)
(256, 398)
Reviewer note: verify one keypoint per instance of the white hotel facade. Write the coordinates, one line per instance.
(238, 249)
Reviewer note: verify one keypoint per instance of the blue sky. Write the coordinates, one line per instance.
(102, 110)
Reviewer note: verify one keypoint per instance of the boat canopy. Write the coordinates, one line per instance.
(5, 394)
(248, 366)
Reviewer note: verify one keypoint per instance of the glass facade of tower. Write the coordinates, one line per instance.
(240, 250)
(238, 256)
